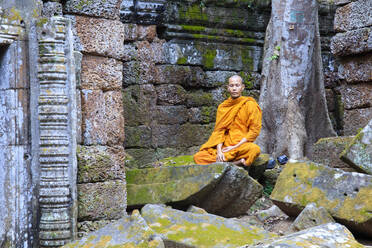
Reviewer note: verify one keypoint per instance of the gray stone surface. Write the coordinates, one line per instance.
(51, 9)
(312, 216)
(170, 94)
(139, 136)
(190, 76)
(272, 212)
(359, 153)
(354, 15)
(356, 69)
(102, 200)
(356, 95)
(108, 9)
(185, 229)
(345, 195)
(328, 235)
(352, 42)
(129, 231)
(170, 115)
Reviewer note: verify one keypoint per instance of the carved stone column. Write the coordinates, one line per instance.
(57, 116)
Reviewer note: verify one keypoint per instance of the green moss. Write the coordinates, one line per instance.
(193, 28)
(193, 12)
(248, 80)
(247, 59)
(182, 61)
(41, 21)
(208, 58)
(177, 161)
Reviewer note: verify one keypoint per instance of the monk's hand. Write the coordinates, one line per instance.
(220, 157)
(228, 148)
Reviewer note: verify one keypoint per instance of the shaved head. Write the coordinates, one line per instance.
(236, 78)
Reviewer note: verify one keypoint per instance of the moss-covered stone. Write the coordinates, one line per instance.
(199, 98)
(100, 163)
(327, 235)
(139, 136)
(171, 184)
(106, 200)
(345, 195)
(201, 230)
(128, 232)
(359, 152)
(312, 216)
(327, 151)
(258, 167)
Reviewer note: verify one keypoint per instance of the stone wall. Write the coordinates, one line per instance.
(353, 47)
(175, 70)
(99, 55)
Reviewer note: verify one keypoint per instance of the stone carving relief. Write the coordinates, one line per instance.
(142, 11)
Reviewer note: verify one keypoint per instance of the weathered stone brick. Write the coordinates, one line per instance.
(102, 117)
(100, 73)
(356, 69)
(189, 76)
(170, 94)
(105, 200)
(143, 156)
(353, 16)
(106, 9)
(100, 163)
(203, 115)
(331, 102)
(356, 96)
(150, 51)
(352, 42)
(138, 32)
(170, 114)
(139, 72)
(100, 36)
(139, 136)
(355, 119)
(139, 102)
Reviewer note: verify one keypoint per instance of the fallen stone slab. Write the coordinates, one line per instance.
(345, 195)
(359, 153)
(312, 216)
(271, 213)
(172, 184)
(129, 231)
(185, 229)
(328, 235)
(219, 188)
(327, 151)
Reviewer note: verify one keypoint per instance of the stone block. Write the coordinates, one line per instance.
(189, 76)
(184, 183)
(100, 73)
(352, 42)
(356, 95)
(331, 100)
(139, 136)
(271, 213)
(353, 16)
(51, 9)
(312, 216)
(170, 94)
(108, 9)
(129, 231)
(102, 117)
(345, 195)
(139, 72)
(100, 163)
(139, 102)
(185, 229)
(213, 56)
(170, 115)
(86, 227)
(356, 68)
(142, 157)
(150, 52)
(359, 153)
(105, 200)
(327, 151)
(100, 36)
(355, 119)
(332, 235)
(203, 115)
(199, 98)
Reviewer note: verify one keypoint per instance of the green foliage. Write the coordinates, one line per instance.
(268, 188)
(276, 53)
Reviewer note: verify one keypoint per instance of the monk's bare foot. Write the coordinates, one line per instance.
(240, 162)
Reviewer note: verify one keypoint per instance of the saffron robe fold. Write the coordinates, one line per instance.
(236, 119)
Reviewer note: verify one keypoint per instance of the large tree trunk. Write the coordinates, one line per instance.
(292, 96)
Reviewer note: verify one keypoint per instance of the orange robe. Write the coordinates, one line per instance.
(236, 119)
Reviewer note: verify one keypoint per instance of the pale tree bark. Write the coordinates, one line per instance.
(292, 96)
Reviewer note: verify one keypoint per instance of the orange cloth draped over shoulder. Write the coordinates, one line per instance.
(236, 119)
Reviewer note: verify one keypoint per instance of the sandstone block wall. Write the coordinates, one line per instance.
(353, 47)
(100, 53)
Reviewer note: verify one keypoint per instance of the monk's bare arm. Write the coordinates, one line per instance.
(220, 156)
(229, 148)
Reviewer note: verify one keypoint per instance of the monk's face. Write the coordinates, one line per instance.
(235, 87)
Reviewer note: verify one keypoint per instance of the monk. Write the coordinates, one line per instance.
(238, 123)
